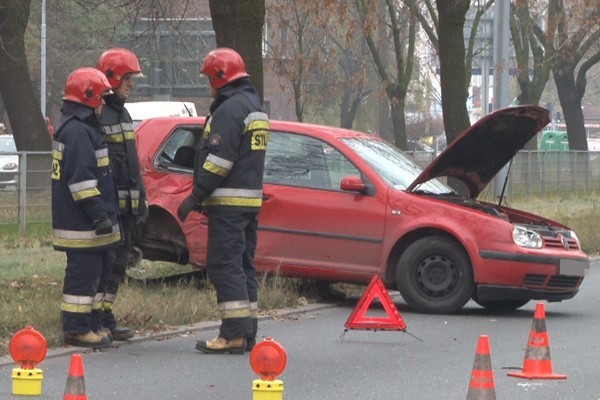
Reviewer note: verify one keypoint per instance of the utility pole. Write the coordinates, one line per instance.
(501, 98)
(43, 61)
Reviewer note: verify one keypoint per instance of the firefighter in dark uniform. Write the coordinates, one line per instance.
(84, 208)
(228, 176)
(120, 66)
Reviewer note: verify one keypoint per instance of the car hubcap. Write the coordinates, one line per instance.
(437, 275)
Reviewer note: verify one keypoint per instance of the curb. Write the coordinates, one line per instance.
(7, 360)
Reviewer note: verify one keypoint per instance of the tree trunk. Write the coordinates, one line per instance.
(452, 66)
(22, 106)
(399, 122)
(570, 100)
(239, 25)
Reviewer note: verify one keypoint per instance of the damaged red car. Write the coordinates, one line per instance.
(343, 206)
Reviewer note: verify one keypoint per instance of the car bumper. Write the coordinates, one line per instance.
(8, 178)
(494, 293)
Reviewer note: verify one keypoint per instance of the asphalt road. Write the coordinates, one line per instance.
(325, 363)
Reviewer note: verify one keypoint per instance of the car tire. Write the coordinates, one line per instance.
(434, 276)
(501, 306)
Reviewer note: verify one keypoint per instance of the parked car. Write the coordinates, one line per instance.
(9, 161)
(343, 206)
(151, 109)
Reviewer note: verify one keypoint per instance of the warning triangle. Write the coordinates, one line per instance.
(376, 290)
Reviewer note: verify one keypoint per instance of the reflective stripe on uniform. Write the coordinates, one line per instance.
(77, 304)
(102, 157)
(234, 309)
(57, 150)
(118, 133)
(97, 304)
(84, 190)
(235, 197)
(84, 239)
(254, 309)
(256, 120)
(217, 165)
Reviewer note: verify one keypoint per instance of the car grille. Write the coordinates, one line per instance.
(555, 281)
(555, 242)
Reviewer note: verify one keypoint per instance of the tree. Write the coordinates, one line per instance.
(576, 51)
(531, 42)
(403, 36)
(444, 23)
(239, 25)
(23, 108)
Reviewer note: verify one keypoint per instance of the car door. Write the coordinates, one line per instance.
(308, 225)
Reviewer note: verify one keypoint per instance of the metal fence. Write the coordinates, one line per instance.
(530, 172)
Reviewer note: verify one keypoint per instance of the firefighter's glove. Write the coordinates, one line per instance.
(103, 226)
(189, 204)
(143, 212)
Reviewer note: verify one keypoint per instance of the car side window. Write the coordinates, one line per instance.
(298, 160)
(179, 149)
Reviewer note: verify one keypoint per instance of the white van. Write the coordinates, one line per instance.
(151, 109)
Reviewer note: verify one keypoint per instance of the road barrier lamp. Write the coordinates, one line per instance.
(28, 348)
(268, 359)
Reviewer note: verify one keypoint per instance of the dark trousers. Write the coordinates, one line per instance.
(230, 266)
(86, 276)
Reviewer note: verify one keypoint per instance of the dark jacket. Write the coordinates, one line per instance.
(117, 127)
(83, 189)
(230, 159)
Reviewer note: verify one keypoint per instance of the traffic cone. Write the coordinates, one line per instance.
(482, 386)
(537, 363)
(75, 388)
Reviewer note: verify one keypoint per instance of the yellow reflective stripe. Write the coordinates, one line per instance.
(76, 308)
(254, 313)
(103, 162)
(86, 243)
(135, 203)
(106, 306)
(215, 169)
(255, 125)
(57, 154)
(114, 138)
(122, 203)
(232, 201)
(97, 305)
(228, 314)
(85, 194)
(129, 135)
(76, 304)
(220, 161)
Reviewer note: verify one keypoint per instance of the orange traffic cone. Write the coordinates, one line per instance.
(75, 388)
(482, 386)
(537, 363)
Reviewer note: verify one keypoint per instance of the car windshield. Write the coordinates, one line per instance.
(7, 144)
(396, 168)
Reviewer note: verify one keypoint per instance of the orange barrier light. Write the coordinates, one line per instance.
(28, 348)
(268, 359)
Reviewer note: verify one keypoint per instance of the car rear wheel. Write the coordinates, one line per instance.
(434, 275)
(500, 306)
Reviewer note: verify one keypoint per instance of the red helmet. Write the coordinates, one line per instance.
(115, 63)
(223, 66)
(86, 86)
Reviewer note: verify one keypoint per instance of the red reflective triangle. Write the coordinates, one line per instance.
(376, 290)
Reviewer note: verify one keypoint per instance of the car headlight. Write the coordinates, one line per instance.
(572, 235)
(9, 166)
(526, 237)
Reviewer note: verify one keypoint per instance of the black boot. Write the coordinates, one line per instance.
(119, 333)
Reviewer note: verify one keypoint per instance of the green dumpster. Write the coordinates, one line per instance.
(554, 141)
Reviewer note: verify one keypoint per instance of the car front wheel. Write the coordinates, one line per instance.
(434, 275)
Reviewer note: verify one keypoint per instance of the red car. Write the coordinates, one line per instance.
(343, 206)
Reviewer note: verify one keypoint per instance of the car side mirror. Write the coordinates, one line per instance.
(353, 183)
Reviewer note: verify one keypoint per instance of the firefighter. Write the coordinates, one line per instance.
(120, 66)
(84, 208)
(228, 176)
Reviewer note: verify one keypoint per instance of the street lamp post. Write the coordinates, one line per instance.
(43, 61)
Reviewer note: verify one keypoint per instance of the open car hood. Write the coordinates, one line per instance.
(481, 151)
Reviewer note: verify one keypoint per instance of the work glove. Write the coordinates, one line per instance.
(143, 212)
(189, 204)
(103, 226)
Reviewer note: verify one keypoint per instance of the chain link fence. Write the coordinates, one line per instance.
(531, 172)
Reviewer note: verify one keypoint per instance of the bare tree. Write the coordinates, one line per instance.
(22, 106)
(239, 25)
(576, 51)
(402, 33)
